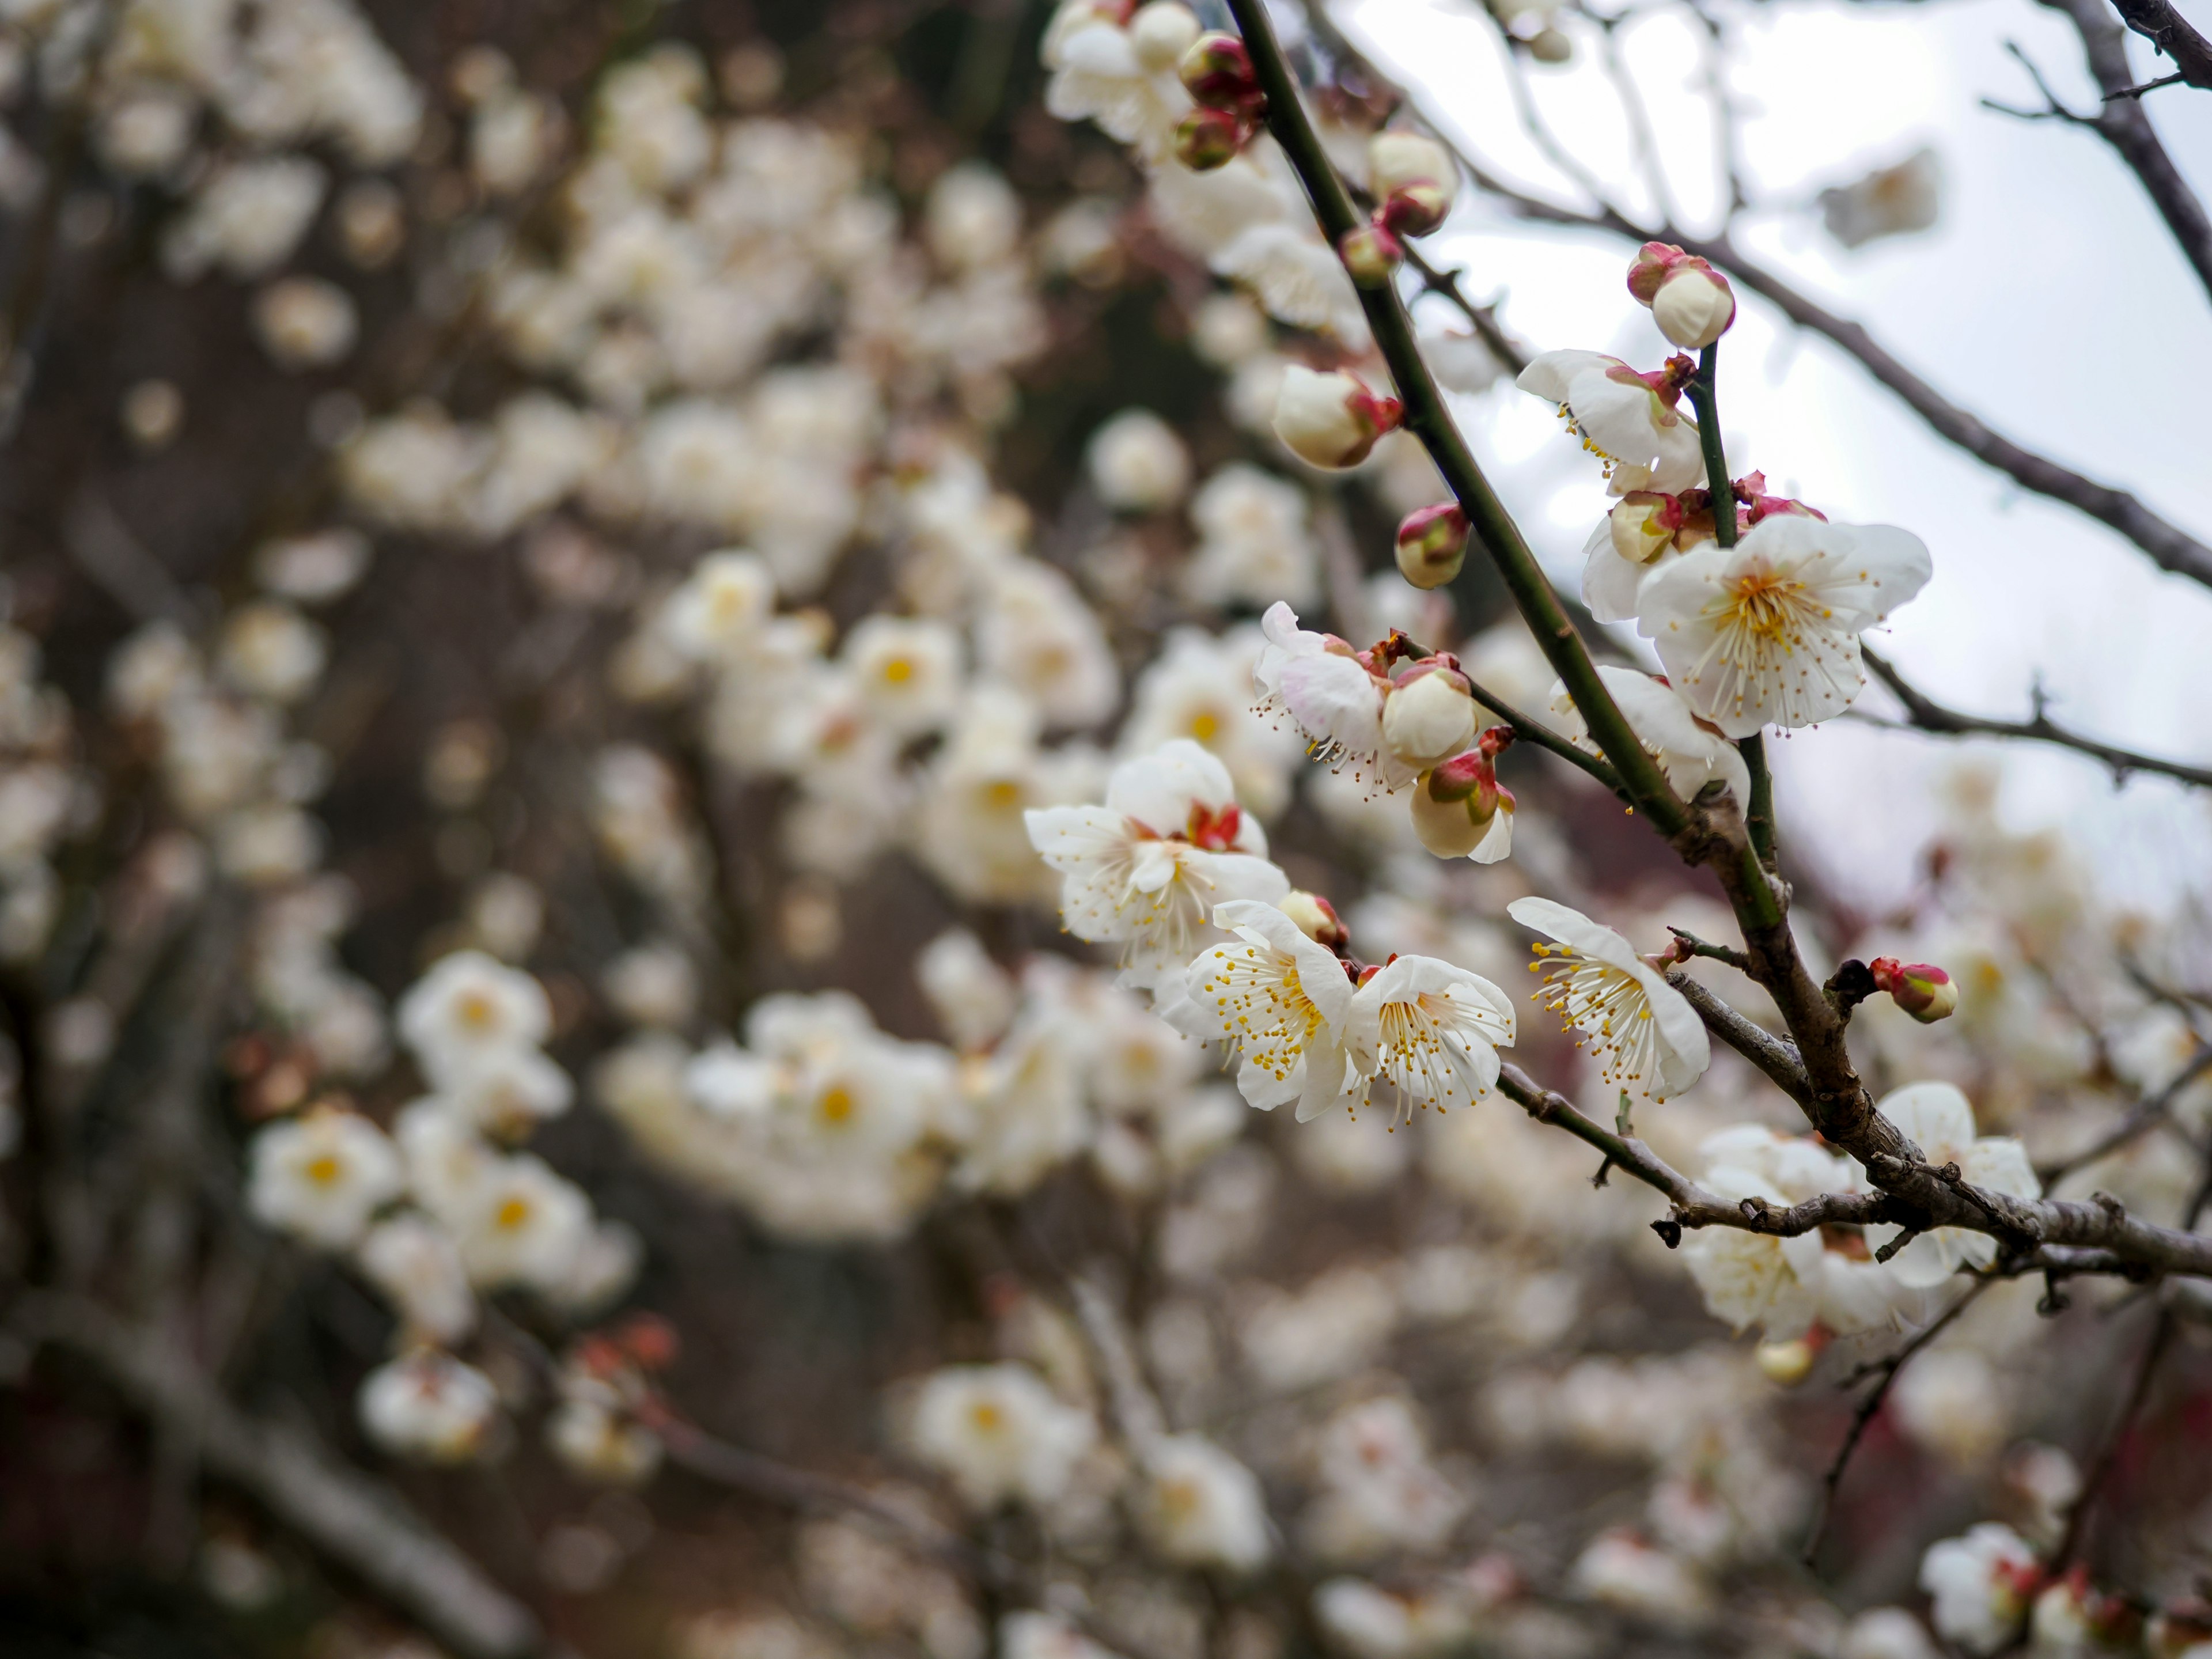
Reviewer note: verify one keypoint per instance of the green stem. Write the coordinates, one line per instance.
(1428, 418)
(1758, 811)
(1706, 402)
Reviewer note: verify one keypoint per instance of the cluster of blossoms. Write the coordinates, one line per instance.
(865, 719)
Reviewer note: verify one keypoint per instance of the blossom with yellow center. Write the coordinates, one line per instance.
(1431, 1030)
(1642, 1030)
(1278, 998)
(1767, 632)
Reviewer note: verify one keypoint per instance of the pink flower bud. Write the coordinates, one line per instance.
(1455, 804)
(1922, 990)
(1372, 253)
(1317, 919)
(1416, 209)
(1653, 263)
(1642, 526)
(1432, 545)
(1430, 714)
(1217, 71)
(1208, 138)
(1694, 305)
(1330, 420)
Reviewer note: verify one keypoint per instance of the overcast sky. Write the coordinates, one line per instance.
(2048, 300)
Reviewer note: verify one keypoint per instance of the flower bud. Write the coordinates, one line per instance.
(1330, 420)
(1429, 715)
(1217, 71)
(1395, 160)
(1317, 919)
(1208, 138)
(1432, 545)
(1160, 33)
(1694, 305)
(1454, 805)
(1371, 254)
(1643, 525)
(1654, 262)
(1788, 1363)
(1922, 990)
(1415, 209)
(1550, 46)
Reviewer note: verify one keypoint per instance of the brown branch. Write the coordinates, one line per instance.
(2149, 1111)
(2158, 22)
(2123, 123)
(1783, 1067)
(1885, 1373)
(357, 1523)
(1929, 715)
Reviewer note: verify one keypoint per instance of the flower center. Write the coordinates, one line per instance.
(1204, 725)
(985, 1417)
(512, 1213)
(1765, 604)
(324, 1171)
(837, 1104)
(899, 670)
(475, 1009)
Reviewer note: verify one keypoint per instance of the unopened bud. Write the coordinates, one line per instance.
(1395, 160)
(1456, 806)
(1217, 71)
(1550, 46)
(1208, 138)
(1922, 990)
(1160, 33)
(1643, 525)
(1415, 209)
(1429, 715)
(1654, 262)
(1694, 305)
(1330, 420)
(1786, 1363)
(1432, 545)
(1371, 254)
(1317, 919)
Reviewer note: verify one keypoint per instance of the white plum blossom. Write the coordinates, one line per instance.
(1280, 1000)
(321, 1176)
(1201, 1507)
(1690, 751)
(999, 1434)
(1147, 869)
(1136, 462)
(470, 1008)
(1645, 1030)
(1431, 1030)
(429, 1406)
(1629, 420)
(1334, 699)
(413, 1261)
(1120, 74)
(1981, 1585)
(1767, 632)
(1939, 1119)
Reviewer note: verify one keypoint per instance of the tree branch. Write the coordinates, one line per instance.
(1926, 714)
(2158, 22)
(358, 1524)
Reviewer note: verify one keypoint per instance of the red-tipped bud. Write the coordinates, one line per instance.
(1432, 545)
(1429, 713)
(1694, 305)
(1643, 525)
(1208, 138)
(1922, 990)
(1455, 807)
(1317, 919)
(1653, 263)
(650, 1339)
(1372, 253)
(1217, 71)
(1416, 209)
(1330, 420)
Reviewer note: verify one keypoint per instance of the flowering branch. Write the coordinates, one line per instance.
(2169, 546)
(1929, 715)
(1428, 418)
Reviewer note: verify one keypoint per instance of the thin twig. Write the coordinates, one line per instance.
(1926, 714)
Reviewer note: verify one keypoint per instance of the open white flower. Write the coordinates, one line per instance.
(1146, 869)
(1622, 417)
(1940, 1121)
(1767, 631)
(320, 1178)
(1121, 77)
(1201, 1507)
(467, 1009)
(429, 1407)
(998, 1433)
(1749, 1277)
(1280, 999)
(1691, 751)
(1429, 1029)
(1333, 699)
(1981, 1584)
(1643, 1029)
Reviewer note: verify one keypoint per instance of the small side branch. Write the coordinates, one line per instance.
(1783, 1067)
(1926, 714)
(2158, 22)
